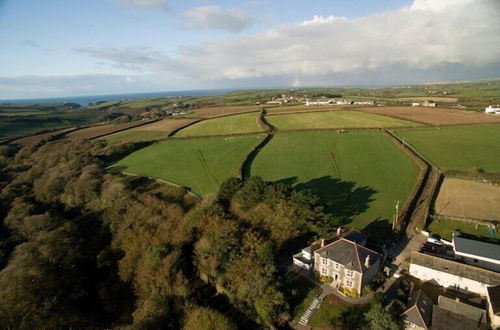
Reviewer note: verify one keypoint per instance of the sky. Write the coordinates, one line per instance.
(51, 48)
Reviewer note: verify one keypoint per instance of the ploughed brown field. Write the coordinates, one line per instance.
(433, 116)
(100, 130)
(469, 199)
(32, 139)
(206, 113)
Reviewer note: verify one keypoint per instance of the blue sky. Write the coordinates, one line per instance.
(75, 47)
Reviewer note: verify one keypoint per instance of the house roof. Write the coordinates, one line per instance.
(443, 319)
(349, 253)
(455, 268)
(470, 312)
(420, 310)
(355, 236)
(494, 298)
(478, 248)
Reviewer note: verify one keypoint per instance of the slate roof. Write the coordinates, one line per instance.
(420, 310)
(355, 236)
(494, 298)
(478, 248)
(443, 319)
(470, 312)
(480, 275)
(350, 254)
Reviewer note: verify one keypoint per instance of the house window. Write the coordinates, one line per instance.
(337, 266)
(348, 283)
(324, 261)
(349, 273)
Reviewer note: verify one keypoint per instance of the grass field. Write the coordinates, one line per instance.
(458, 148)
(359, 175)
(214, 112)
(11, 127)
(444, 228)
(201, 165)
(150, 132)
(237, 124)
(469, 199)
(334, 119)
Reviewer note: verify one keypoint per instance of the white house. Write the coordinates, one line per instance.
(452, 274)
(427, 103)
(477, 253)
(415, 104)
(494, 306)
(492, 109)
(348, 263)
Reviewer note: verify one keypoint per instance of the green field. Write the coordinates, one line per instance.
(11, 127)
(335, 119)
(237, 124)
(458, 148)
(135, 136)
(444, 229)
(200, 165)
(359, 175)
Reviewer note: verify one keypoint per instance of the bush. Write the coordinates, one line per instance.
(325, 279)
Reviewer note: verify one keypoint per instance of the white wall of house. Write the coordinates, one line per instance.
(495, 319)
(479, 261)
(448, 280)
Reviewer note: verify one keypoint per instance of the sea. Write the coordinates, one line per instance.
(86, 100)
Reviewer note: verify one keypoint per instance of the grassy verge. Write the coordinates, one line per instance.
(444, 229)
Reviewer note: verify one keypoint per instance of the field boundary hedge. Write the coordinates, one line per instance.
(245, 168)
(175, 131)
(417, 192)
(123, 129)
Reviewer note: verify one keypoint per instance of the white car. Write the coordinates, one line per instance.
(434, 240)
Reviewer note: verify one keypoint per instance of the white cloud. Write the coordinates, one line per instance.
(418, 37)
(217, 18)
(146, 4)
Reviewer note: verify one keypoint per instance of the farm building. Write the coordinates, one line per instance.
(319, 102)
(364, 102)
(447, 314)
(415, 104)
(477, 253)
(452, 274)
(492, 109)
(428, 103)
(419, 313)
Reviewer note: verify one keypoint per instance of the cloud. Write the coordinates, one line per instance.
(216, 18)
(463, 33)
(146, 4)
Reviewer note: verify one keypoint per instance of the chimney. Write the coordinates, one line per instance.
(367, 261)
(339, 231)
(322, 242)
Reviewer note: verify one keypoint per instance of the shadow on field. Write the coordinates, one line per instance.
(343, 199)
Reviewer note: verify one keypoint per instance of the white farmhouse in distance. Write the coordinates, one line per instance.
(493, 109)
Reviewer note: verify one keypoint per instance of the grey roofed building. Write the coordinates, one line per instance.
(494, 298)
(485, 276)
(350, 254)
(474, 247)
(443, 319)
(420, 311)
(470, 312)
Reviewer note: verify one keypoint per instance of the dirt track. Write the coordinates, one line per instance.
(469, 199)
(433, 116)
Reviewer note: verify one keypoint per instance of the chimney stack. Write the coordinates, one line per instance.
(322, 242)
(367, 261)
